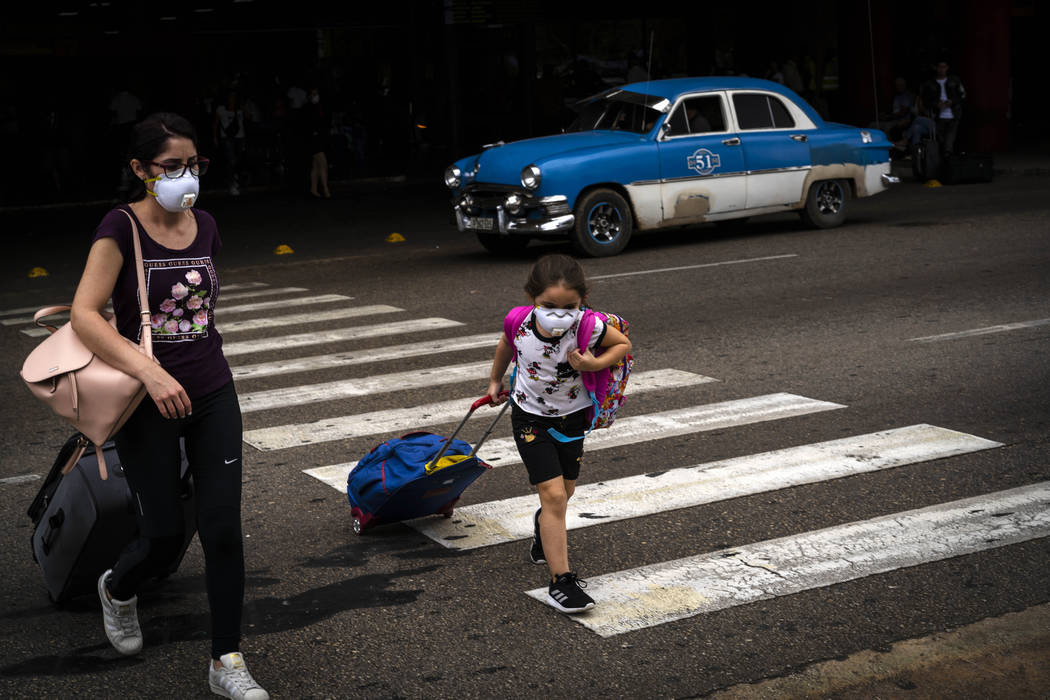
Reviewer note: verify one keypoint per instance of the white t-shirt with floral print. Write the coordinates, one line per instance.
(546, 384)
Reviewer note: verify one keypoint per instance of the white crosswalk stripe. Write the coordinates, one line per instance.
(223, 311)
(257, 289)
(336, 335)
(21, 479)
(271, 322)
(226, 296)
(329, 391)
(683, 421)
(357, 357)
(22, 310)
(496, 522)
(401, 420)
(244, 285)
(634, 429)
(261, 290)
(673, 590)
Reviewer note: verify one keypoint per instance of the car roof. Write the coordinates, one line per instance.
(672, 88)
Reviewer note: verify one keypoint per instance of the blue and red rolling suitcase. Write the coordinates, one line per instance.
(415, 475)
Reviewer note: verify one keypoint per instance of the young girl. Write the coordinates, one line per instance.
(550, 405)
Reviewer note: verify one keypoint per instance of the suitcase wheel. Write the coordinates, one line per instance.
(357, 526)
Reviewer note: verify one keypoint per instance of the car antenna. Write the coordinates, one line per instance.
(648, 73)
(649, 66)
(874, 78)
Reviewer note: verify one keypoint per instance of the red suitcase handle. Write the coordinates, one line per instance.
(483, 401)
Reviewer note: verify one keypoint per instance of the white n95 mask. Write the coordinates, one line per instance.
(557, 321)
(175, 194)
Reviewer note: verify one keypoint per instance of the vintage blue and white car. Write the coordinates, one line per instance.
(668, 153)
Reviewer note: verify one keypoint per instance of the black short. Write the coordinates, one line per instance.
(546, 458)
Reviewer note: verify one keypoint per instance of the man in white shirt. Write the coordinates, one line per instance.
(942, 100)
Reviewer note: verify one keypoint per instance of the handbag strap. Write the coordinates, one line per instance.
(48, 311)
(146, 335)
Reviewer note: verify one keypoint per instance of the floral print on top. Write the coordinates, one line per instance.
(184, 311)
(546, 384)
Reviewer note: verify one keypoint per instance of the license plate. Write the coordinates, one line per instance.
(481, 223)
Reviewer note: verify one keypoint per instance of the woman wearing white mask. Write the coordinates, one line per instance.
(191, 392)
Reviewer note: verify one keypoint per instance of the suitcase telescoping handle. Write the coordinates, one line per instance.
(483, 401)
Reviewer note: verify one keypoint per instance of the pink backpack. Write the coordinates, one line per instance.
(605, 386)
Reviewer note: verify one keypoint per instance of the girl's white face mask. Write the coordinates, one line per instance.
(175, 194)
(556, 321)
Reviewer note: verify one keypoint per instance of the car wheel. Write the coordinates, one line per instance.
(603, 224)
(503, 245)
(826, 204)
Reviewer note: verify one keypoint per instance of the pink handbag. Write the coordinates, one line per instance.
(78, 386)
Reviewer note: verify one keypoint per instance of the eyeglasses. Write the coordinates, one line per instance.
(175, 169)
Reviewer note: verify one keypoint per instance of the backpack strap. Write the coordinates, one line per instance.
(512, 322)
(560, 437)
(588, 320)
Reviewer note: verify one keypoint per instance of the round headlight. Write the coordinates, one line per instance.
(530, 177)
(514, 203)
(453, 176)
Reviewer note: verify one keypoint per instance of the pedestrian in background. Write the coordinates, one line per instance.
(549, 413)
(318, 126)
(191, 392)
(228, 134)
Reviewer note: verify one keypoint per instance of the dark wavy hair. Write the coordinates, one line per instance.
(148, 139)
(554, 269)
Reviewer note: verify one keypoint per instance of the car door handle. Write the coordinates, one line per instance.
(731, 142)
(801, 138)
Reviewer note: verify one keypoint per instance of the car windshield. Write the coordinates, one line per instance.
(618, 111)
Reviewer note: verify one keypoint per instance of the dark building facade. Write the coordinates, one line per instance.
(408, 86)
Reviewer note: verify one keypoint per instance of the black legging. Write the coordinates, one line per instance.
(148, 446)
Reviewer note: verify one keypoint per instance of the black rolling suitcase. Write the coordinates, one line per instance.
(82, 523)
(926, 160)
(967, 167)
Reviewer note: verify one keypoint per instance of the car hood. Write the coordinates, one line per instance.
(503, 164)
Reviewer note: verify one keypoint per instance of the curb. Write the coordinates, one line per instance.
(1005, 654)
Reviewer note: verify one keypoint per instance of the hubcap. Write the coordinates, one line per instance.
(604, 223)
(829, 198)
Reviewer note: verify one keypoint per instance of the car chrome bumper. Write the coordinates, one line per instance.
(505, 223)
(888, 179)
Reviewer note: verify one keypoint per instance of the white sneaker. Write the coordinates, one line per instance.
(120, 619)
(233, 679)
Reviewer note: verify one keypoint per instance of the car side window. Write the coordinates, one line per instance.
(755, 111)
(679, 124)
(782, 118)
(698, 115)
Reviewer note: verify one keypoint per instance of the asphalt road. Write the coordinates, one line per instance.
(767, 309)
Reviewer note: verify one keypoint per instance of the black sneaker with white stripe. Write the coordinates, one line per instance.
(566, 595)
(536, 553)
